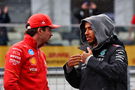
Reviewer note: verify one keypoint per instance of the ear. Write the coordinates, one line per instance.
(39, 30)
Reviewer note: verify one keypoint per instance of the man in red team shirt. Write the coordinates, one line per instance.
(25, 67)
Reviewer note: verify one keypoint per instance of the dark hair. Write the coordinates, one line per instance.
(33, 31)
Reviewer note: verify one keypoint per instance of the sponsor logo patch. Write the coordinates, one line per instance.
(16, 53)
(102, 53)
(14, 62)
(33, 61)
(17, 49)
(15, 57)
(33, 69)
(31, 52)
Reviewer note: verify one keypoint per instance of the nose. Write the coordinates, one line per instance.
(51, 34)
(86, 32)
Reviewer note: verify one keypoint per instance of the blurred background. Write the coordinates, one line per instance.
(65, 40)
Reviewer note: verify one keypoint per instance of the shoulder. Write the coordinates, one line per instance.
(15, 52)
(118, 50)
(118, 53)
(16, 47)
(114, 49)
(116, 46)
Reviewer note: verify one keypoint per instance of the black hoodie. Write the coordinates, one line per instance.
(103, 28)
(107, 68)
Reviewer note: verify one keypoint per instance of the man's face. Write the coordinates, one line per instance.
(46, 35)
(89, 33)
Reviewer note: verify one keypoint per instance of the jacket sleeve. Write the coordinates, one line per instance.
(115, 69)
(72, 77)
(13, 65)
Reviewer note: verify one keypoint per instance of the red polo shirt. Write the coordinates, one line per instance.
(25, 67)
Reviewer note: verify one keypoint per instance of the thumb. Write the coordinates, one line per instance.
(89, 50)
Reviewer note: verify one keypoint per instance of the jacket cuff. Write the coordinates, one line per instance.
(87, 59)
(68, 69)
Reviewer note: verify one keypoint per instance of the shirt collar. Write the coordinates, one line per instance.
(30, 41)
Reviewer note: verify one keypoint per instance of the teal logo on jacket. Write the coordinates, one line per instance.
(102, 53)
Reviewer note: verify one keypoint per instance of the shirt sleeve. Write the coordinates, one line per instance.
(13, 68)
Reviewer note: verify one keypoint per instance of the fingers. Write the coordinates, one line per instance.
(73, 63)
(74, 60)
(84, 55)
(89, 50)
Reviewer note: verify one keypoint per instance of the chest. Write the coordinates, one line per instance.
(34, 61)
(101, 55)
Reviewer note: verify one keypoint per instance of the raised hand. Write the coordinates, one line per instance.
(74, 60)
(84, 55)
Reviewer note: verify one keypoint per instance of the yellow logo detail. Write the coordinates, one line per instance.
(33, 60)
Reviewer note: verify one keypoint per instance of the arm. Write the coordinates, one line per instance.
(72, 75)
(12, 69)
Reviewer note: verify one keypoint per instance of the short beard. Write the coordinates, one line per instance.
(41, 45)
(94, 43)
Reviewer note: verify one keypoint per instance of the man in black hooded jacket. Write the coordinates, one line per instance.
(103, 64)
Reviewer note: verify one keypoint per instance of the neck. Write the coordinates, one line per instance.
(39, 44)
(94, 43)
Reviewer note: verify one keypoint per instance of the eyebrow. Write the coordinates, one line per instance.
(88, 27)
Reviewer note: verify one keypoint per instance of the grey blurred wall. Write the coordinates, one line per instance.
(19, 10)
(58, 10)
(124, 10)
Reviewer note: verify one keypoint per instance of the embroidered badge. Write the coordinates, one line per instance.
(33, 60)
(33, 69)
(31, 52)
(43, 22)
(14, 61)
(102, 53)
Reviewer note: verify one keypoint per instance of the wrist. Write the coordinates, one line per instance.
(87, 59)
(69, 69)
